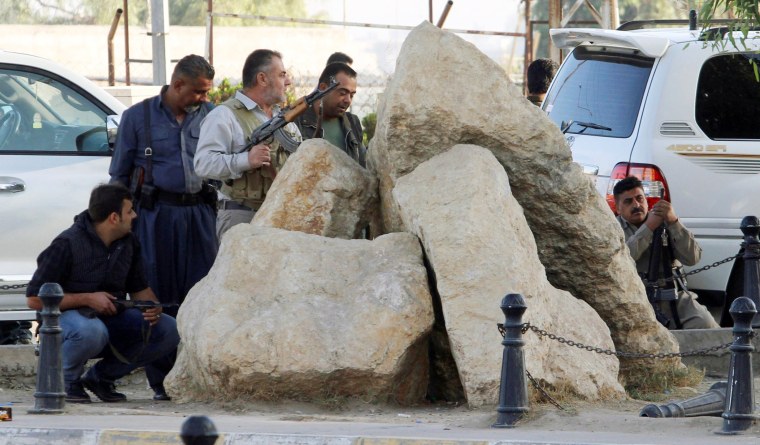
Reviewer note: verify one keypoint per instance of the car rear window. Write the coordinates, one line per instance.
(728, 94)
(599, 86)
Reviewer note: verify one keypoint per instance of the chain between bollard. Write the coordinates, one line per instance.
(12, 286)
(677, 276)
(542, 333)
(543, 391)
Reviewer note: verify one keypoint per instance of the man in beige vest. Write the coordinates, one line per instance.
(226, 131)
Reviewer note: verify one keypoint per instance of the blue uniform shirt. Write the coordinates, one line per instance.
(172, 168)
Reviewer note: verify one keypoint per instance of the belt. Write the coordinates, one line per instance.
(179, 199)
(232, 205)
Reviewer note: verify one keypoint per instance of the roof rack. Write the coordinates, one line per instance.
(691, 22)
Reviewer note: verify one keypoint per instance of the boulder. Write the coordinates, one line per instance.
(321, 191)
(445, 92)
(478, 242)
(289, 315)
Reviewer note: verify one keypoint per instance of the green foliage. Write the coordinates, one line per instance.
(369, 122)
(181, 12)
(223, 91)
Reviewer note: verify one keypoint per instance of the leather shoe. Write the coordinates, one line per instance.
(75, 393)
(105, 390)
(159, 393)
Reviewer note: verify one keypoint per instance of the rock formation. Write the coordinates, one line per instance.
(445, 92)
(478, 243)
(289, 315)
(321, 191)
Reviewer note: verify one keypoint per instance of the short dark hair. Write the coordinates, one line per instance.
(335, 68)
(629, 183)
(193, 67)
(339, 57)
(257, 62)
(106, 199)
(540, 75)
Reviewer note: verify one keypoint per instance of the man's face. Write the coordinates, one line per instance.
(277, 82)
(128, 214)
(632, 206)
(193, 92)
(339, 100)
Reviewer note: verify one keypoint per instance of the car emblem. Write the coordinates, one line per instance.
(570, 140)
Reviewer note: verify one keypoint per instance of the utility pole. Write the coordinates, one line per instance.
(159, 20)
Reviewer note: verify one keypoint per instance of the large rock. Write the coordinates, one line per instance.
(478, 243)
(321, 191)
(445, 92)
(289, 315)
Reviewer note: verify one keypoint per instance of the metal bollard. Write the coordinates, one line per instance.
(738, 415)
(49, 395)
(198, 430)
(711, 403)
(750, 227)
(513, 389)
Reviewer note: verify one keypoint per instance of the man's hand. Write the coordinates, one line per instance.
(102, 303)
(258, 156)
(152, 315)
(661, 211)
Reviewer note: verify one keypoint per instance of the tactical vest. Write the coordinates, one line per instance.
(251, 188)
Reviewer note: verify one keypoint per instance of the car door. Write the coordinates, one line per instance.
(53, 151)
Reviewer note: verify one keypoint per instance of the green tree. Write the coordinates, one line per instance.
(181, 12)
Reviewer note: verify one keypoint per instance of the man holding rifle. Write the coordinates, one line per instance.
(659, 244)
(96, 261)
(224, 150)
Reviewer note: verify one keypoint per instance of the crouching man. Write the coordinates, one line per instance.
(639, 224)
(94, 261)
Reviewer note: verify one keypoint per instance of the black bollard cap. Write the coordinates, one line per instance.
(750, 226)
(198, 430)
(50, 290)
(743, 305)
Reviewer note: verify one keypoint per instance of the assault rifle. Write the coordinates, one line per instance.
(143, 305)
(273, 127)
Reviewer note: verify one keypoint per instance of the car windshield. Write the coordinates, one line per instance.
(596, 86)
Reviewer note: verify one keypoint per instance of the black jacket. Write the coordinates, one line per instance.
(352, 128)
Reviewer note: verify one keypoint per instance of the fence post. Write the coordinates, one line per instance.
(513, 389)
(49, 395)
(711, 403)
(750, 227)
(738, 415)
(198, 430)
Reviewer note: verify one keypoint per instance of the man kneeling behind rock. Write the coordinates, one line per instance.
(94, 260)
(639, 225)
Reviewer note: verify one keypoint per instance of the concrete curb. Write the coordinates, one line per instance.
(42, 436)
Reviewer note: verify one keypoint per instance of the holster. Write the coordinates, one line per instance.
(209, 196)
(148, 196)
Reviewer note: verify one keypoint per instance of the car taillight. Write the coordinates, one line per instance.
(651, 178)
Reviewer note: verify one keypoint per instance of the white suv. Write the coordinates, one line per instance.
(54, 149)
(668, 106)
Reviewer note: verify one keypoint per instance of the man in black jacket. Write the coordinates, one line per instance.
(96, 261)
(329, 118)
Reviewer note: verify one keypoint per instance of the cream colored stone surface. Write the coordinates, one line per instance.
(446, 92)
(321, 191)
(290, 315)
(477, 240)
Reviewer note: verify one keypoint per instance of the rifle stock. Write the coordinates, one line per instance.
(287, 115)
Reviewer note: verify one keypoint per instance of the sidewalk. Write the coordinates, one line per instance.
(143, 421)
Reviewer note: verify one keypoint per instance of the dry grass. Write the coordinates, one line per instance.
(659, 385)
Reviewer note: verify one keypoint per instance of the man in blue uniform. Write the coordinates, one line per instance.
(154, 154)
(96, 261)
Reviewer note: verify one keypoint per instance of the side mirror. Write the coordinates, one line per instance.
(112, 127)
